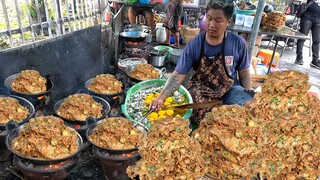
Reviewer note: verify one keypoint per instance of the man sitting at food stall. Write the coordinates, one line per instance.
(220, 61)
(133, 12)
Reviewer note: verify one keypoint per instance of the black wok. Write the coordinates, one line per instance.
(105, 110)
(14, 132)
(93, 124)
(35, 99)
(110, 98)
(24, 103)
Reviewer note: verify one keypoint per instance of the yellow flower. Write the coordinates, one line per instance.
(166, 103)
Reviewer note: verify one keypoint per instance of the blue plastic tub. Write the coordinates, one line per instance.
(144, 1)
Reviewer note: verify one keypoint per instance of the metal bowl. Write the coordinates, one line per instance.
(127, 62)
(128, 71)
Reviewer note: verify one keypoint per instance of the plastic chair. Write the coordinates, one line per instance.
(267, 54)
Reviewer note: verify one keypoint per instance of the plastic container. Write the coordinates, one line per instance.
(161, 34)
(244, 12)
(144, 1)
(175, 55)
(151, 83)
(130, 1)
(160, 48)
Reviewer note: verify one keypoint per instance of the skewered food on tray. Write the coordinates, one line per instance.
(116, 133)
(46, 137)
(79, 107)
(10, 109)
(144, 72)
(105, 84)
(30, 82)
(169, 153)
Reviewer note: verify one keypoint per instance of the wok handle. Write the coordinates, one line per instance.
(162, 72)
(82, 91)
(11, 125)
(49, 76)
(89, 121)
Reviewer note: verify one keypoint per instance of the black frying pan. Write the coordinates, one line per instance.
(33, 98)
(93, 124)
(108, 97)
(24, 103)
(105, 110)
(14, 132)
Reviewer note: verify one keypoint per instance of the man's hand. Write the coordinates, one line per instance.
(171, 85)
(157, 103)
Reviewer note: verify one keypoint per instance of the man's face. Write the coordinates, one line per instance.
(216, 22)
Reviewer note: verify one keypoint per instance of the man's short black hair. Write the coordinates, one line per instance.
(226, 5)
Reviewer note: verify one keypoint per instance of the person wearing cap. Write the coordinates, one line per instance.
(220, 61)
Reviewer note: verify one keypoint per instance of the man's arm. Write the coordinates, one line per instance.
(169, 88)
(245, 78)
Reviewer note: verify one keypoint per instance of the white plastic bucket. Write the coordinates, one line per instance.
(161, 34)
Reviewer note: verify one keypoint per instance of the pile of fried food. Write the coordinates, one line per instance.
(105, 84)
(11, 109)
(79, 107)
(274, 20)
(277, 137)
(168, 152)
(116, 133)
(29, 82)
(46, 137)
(229, 137)
(144, 72)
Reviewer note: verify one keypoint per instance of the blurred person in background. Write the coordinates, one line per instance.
(134, 12)
(220, 61)
(174, 11)
(310, 20)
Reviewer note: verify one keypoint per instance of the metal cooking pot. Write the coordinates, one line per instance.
(134, 36)
(92, 124)
(105, 110)
(14, 131)
(24, 103)
(157, 61)
(35, 99)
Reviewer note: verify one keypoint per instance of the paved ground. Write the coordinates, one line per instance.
(287, 62)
